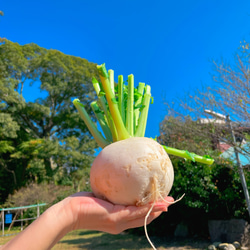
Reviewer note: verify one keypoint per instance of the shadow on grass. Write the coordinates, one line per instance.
(85, 233)
(96, 240)
(88, 240)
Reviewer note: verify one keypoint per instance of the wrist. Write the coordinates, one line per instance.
(46, 230)
(59, 221)
(63, 215)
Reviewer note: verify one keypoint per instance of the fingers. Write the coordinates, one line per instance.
(135, 216)
(152, 216)
(137, 212)
(131, 213)
(114, 218)
(165, 203)
(138, 222)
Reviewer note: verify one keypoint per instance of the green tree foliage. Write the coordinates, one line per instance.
(34, 194)
(42, 139)
(182, 134)
(215, 189)
(211, 192)
(229, 95)
(189, 127)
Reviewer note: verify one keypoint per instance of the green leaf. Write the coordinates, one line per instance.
(114, 100)
(101, 93)
(191, 155)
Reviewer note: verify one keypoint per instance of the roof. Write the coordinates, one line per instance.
(244, 154)
(223, 146)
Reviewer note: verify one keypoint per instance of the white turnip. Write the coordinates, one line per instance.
(131, 169)
(134, 171)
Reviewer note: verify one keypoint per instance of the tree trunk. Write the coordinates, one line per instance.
(48, 167)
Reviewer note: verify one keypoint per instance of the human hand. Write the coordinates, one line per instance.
(82, 211)
(89, 212)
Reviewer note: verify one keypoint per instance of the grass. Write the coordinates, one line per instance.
(88, 240)
(8, 236)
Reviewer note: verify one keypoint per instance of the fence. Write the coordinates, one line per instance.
(7, 216)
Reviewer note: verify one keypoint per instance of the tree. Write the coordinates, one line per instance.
(34, 194)
(229, 96)
(182, 134)
(8, 131)
(45, 136)
(202, 184)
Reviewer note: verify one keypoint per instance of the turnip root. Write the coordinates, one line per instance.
(134, 171)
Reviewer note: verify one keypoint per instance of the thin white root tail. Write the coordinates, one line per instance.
(172, 202)
(145, 226)
(146, 218)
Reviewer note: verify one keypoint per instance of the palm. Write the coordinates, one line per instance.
(97, 214)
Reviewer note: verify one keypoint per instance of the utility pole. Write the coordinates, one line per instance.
(239, 165)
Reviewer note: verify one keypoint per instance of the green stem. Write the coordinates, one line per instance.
(96, 86)
(113, 107)
(113, 115)
(102, 121)
(138, 103)
(104, 104)
(111, 80)
(90, 124)
(121, 105)
(140, 132)
(130, 106)
(190, 156)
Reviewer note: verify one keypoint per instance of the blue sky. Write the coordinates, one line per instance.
(166, 44)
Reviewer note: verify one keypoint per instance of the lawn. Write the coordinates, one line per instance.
(88, 240)
(96, 240)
